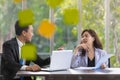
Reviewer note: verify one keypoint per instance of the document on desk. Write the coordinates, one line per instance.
(97, 66)
(103, 60)
(85, 68)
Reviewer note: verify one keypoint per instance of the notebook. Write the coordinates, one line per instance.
(60, 60)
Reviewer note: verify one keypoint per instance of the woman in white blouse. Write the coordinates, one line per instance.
(89, 51)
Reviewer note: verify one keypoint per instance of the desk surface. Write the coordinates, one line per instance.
(73, 74)
(107, 71)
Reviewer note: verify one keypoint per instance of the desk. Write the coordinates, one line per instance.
(72, 74)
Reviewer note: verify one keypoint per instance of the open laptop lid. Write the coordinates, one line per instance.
(60, 60)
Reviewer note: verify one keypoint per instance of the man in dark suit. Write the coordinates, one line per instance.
(12, 51)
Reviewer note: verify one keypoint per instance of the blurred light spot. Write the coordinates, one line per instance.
(28, 52)
(17, 1)
(71, 16)
(46, 29)
(74, 31)
(26, 17)
(54, 3)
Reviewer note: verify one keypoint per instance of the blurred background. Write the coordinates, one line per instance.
(103, 16)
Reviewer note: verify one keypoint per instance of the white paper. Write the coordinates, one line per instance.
(85, 68)
(101, 61)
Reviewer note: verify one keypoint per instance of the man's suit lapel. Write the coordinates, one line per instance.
(16, 48)
(17, 51)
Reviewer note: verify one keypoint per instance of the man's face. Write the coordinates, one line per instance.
(29, 34)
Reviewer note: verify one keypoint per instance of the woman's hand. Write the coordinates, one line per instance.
(103, 66)
(80, 46)
(77, 48)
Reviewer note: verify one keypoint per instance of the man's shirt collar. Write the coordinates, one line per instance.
(20, 44)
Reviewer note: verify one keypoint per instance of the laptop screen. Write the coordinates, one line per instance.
(61, 59)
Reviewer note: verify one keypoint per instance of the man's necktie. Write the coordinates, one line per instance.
(21, 62)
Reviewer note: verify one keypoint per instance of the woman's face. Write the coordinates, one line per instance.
(87, 38)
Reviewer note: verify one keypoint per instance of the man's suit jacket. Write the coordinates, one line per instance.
(10, 59)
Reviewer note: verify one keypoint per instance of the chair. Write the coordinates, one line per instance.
(1, 76)
(109, 62)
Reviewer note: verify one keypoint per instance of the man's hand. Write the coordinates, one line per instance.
(61, 48)
(28, 68)
(34, 67)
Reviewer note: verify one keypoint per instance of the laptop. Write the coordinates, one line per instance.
(60, 61)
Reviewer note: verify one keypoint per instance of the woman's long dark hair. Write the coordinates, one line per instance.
(96, 43)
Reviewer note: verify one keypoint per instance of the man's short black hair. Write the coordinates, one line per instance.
(19, 29)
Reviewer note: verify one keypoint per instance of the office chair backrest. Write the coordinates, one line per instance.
(109, 62)
(0, 62)
(1, 76)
